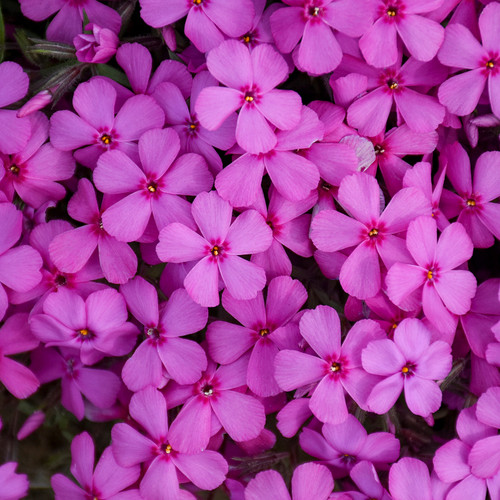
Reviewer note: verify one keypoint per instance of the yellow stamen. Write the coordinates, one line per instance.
(197, 2)
(84, 332)
(246, 38)
(430, 275)
(168, 448)
(263, 332)
(248, 98)
(192, 126)
(391, 12)
(490, 64)
(335, 368)
(14, 169)
(215, 251)
(151, 188)
(394, 326)
(106, 139)
(405, 369)
(315, 11)
(373, 232)
(393, 85)
(471, 203)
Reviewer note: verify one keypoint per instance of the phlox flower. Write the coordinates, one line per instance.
(433, 280)
(15, 337)
(13, 486)
(260, 30)
(266, 329)
(312, 21)
(216, 402)
(97, 47)
(371, 233)
(411, 363)
(461, 50)
(151, 189)
(104, 483)
(14, 132)
(96, 129)
(69, 18)
(473, 202)
(96, 327)
(165, 465)
(183, 119)
(33, 171)
(207, 21)
(99, 386)
(309, 480)
(337, 369)
(182, 359)
(71, 250)
(250, 79)
(19, 266)
(217, 250)
(342, 446)
(421, 36)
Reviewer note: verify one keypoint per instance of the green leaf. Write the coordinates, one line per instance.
(113, 73)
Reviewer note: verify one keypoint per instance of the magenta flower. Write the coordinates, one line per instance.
(96, 327)
(166, 465)
(97, 47)
(15, 337)
(473, 202)
(217, 250)
(411, 363)
(100, 387)
(343, 445)
(266, 329)
(250, 79)
(13, 486)
(312, 21)
(105, 482)
(71, 250)
(409, 480)
(15, 131)
(421, 36)
(152, 189)
(365, 477)
(461, 50)
(19, 266)
(433, 281)
(211, 405)
(207, 21)
(33, 171)
(308, 481)
(96, 126)
(194, 137)
(337, 369)
(371, 233)
(260, 30)
(182, 359)
(69, 18)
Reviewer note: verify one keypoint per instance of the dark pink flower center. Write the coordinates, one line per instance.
(490, 64)
(60, 280)
(348, 459)
(207, 390)
(379, 149)
(392, 10)
(408, 369)
(84, 334)
(165, 449)
(152, 331)
(14, 169)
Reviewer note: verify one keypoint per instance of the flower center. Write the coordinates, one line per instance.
(408, 369)
(106, 139)
(314, 11)
(348, 459)
(152, 332)
(166, 448)
(192, 126)
(207, 390)
(335, 367)
(471, 203)
(263, 332)
(84, 334)
(430, 274)
(325, 186)
(379, 150)
(14, 169)
(392, 11)
(373, 232)
(249, 97)
(60, 280)
(152, 187)
(490, 64)
(392, 84)
(215, 251)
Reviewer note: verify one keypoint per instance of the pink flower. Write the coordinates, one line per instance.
(433, 281)
(15, 131)
(337, 369)
(461, 50)
(207, 21)
(182, 359)
(68, 21)
(308, 481)
(217, 250)
(166, 465)
(411, 363)
(409, 480)
(266, 329)
(13, 486)
(250, 79)
(105, 482)
(97, 47)
(421, 36)
(371, 233)
(152, 189)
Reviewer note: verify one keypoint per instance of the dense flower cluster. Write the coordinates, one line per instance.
(256, 244)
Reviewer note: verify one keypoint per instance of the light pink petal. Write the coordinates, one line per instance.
(129, 446)
(183, 359)
(248, 234)
(360, 273)
(348, 437)
(422, 113)
(253, 132)
(488, 406)
(311, 480)
(295, 369)
(269, 70)
(243, 279)
(332, 231)
(66, 24)
(137, 62)
(213, 216)
(157, 150)
(154, 13)
(117, 259)
(116, 173)
(379, 44)
(127, 219)
(484, 457)
(206, 470)
(103, 16)
(241, 415)
(171, 100)
(231, 64)
(412, 338)
(160, 481)
(190, 431)
(14, 132)
(142, 300)
(287, 26)
(456, 289)
(422, 36)
(359, 194)
(260, 374)
(200, 29)
(153, 420)
(106, 310)
(382, 357)
(494, 93)
(328, 401)
(64, 488)
(292, 416)
(285, 297)
(202, 283)
(450, 461)
(292, 175)
(68, 307)
(267, 484)
(460, 48)
(232, 19)
(421, 240)
(18, 380)
(170, 208)
(321, 329)
(486, 175)
(470, 487)
(12, 221)
(422, 396)
(83, 204)
(281, 107)
(489, 216)
(334, 161)
(402, 280)
(436, 312)
(228, 342)
(461, 93)
(189, 175)
(15, 81)
(249, 313)
(143, 368)
(100, 387)
(409, 479)
(94, 101)
(385, 394)
(178, 243)
(454, 247)
(68, 131)
(489, 25)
